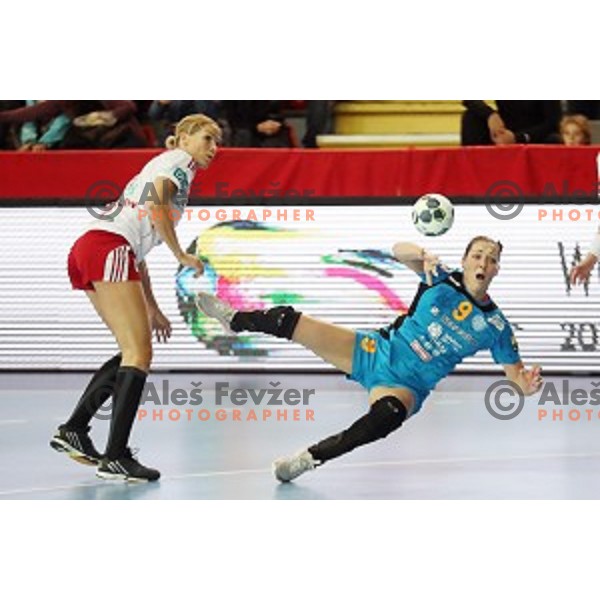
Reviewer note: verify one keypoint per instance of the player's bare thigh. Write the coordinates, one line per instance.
(122, 307)
(332, 343)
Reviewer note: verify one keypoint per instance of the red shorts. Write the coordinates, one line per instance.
(101, 256)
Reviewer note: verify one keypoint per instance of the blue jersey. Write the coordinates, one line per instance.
(445, 325)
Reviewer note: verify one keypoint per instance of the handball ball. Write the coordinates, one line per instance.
(433, 214)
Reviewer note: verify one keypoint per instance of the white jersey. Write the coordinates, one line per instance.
(134, 221)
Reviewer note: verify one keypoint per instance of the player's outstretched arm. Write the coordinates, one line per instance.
(163, 221)
(417, 259)
(529, 380)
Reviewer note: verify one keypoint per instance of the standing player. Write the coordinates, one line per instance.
(451, 318)
(107, 262)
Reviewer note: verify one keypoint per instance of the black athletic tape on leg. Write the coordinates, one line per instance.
(279, 321)
(384, 416)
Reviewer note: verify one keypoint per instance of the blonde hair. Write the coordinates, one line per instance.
(190, 125)
(581, 122)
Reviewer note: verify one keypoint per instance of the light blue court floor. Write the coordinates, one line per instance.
(453, 449)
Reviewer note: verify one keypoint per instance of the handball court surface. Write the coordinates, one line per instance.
(453, 449)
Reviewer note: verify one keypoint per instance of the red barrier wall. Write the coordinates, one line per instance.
(319, 173)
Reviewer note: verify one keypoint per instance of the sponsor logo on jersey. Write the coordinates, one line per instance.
(434, 329)
(368, 345)
(420, 351)
(180, 175)
(514, 343)
(478, 323)
(497, 322)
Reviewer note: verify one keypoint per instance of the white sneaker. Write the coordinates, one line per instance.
(215, 308)
(290, 467)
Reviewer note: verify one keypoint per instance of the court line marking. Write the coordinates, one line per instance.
(57, 488)
(406, 463)
(448, 402)
(13, 421)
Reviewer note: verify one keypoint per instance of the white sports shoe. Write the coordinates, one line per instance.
(290, 467)
(218, 309)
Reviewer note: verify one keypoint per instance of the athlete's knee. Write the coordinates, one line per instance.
(385, 416)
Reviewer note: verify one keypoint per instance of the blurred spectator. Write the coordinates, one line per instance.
(257, 124)
(8, 133)
(105, 124)
(575, 131)
(319, 120)
(175, 110)
(165, 113)
(95, 123)
(515, 122)
(587, 108)
(38, 136)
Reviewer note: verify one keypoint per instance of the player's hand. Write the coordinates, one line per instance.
(189, 260)
(581, 273)
(431, 266)
(160, 325)
(531, 380)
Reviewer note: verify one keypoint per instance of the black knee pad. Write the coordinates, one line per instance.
(386, 415)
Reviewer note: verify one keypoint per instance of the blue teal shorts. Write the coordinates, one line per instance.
(371, 366)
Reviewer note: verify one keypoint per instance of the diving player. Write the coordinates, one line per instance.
(451, 318)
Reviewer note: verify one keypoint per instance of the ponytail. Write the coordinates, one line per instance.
(171, 142)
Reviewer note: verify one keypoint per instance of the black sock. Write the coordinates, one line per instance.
(384, 416)
(279, 321)
(126, 400)
(98, 390)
